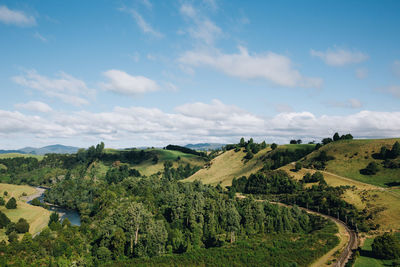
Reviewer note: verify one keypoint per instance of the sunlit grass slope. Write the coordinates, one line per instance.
(363, 196)
(19, 155)
(353, 155)
(227, 166)
(37, 217)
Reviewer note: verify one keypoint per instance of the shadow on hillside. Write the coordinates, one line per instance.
(366, 253)
(391, 184)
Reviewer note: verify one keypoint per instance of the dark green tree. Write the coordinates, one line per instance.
(54, 217)
(371, 169)
(298, 166)
(22, 226)
(11, 204)
(336, 137)
(4, 220)
(386, 246)
(274, 146)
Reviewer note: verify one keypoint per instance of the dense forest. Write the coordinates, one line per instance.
(130, 218)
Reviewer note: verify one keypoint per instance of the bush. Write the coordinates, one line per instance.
(13, 237)
(22, 226)
(4, 220)
(5, 193)
(274, 146)
(386, 246)
(11, 204)
(2, 201)
(371, 169)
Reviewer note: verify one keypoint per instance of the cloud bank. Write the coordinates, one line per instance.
(189, 123)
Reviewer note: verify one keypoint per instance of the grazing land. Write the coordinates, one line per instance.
(227, 166)
(37, 217)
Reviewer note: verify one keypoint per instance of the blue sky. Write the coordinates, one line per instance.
(137, 73)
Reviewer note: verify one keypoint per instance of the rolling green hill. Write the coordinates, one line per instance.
(350, 156)
(227, 166)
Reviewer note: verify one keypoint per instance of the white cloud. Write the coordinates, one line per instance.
(270, 66)
(350, 103)
(396, 67)
(142, 23)
(123, 83)
(34, 106)
(339, 57)
(361, 73)
(40, 37)
(189, 123)
(16, 17)
(203, 28)
(147, 4)
(66, 87)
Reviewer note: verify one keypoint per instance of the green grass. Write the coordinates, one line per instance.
(366, 258)
(227, 166)
(37, 217)
(353, 155)
(296, 146)
(19, 155)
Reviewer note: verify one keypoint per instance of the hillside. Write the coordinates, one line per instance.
(227, 166)
(350, 156)
(205, 146)
(59, 149)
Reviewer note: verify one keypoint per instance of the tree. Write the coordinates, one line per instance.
(299, 141)
(274, 146)
(326, 141)
(136, 217)
(395, 152)
(4, 220)
(22, 226)
(5, 193)
(13, 237)
(54, 217)
(11, 204)
(233, 220)
(2, 201)
(293, 142)
(336, 137)
(249, 155)
(297, 166)
(242, 143)
(386, 246)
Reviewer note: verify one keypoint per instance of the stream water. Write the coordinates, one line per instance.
(72, 215)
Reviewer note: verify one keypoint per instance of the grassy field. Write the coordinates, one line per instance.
(362, 196)
(227, 166)
(367, 260)
(19, 155)
(148, 167)
(36, 216)
(353, 155)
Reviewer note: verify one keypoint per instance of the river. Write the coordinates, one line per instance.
(72, 215)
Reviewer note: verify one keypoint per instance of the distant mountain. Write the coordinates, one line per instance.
(11, 151)
(59, 149)
(205, 146)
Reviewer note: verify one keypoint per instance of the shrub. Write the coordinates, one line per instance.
(2, 201)
(4, 220)
(11, 204)
(371, 169)
(22, 226)
(297, 166)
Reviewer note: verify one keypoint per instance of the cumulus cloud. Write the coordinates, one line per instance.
(123, 83)
(141, 22)
(202, 29)
(34, 106)
(66, 87)
(269, 66)
(396, 67)
(189, 123)
(16, 17)
(339, 57)
(350, 103)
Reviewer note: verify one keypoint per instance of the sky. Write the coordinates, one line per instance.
(153, 73)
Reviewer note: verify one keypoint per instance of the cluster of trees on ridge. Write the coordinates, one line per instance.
(279, 186)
